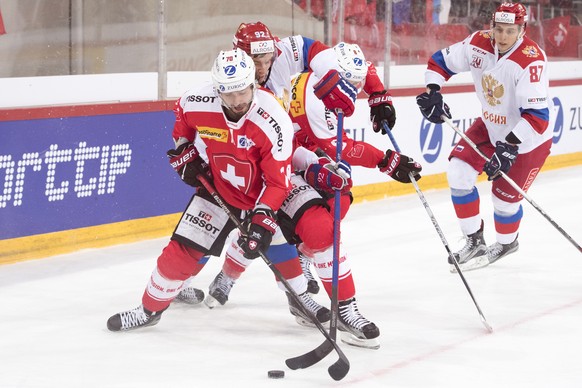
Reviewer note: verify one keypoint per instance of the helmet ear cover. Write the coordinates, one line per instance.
(232, 71)
(254, 39)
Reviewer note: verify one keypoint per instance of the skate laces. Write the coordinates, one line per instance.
(309, 303)
(223, 283)
(495, 250)
(135, 317)
(469, 245)
(187, 293)
(352, 316)
(305, 263)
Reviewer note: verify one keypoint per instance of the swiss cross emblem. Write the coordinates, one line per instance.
(234, 171)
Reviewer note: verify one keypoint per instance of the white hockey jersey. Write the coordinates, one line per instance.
(513, 90)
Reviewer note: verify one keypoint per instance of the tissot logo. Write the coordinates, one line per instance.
(431, 140)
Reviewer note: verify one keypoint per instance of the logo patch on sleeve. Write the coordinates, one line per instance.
(217, 134)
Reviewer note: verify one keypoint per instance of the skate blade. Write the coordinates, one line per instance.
(474, 263)
(211, 302)
(304, 322)
(351, 339)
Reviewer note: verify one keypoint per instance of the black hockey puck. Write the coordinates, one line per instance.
(276, 374)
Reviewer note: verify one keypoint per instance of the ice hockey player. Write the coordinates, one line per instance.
(510, 74)
(241, 137)
(303, 216)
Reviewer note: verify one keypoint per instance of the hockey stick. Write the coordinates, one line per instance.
(439, 231)
(340, 368)
(334, 308)
(513, 184)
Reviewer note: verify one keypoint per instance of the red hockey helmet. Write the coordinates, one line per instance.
(510, 13)
(254, 38)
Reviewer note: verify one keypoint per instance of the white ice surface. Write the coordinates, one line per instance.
(53, 311)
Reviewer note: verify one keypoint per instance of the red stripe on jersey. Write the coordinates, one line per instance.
(527, 52)
(538, 124)
(482, 40)
(315, 49)
(432, 65)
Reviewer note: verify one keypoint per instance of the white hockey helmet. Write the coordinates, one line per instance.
(232, 71)
(352, 61)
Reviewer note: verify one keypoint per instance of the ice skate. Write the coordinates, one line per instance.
(496, 251)
(312, 285)
(190, 295)
(321, 313)
(133, 319)
(356, 330)
(218, 290)
(473, 255)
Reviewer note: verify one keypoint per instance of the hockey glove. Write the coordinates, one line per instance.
(381, 109)
(432, 105)
(327, 176)
(399, 166)
(501, 161)
(188, 164)
(336, 92)
(260, 225)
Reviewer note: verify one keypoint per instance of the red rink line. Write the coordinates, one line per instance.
(445, 348)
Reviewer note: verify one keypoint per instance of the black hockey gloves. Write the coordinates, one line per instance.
(432, 105)
(381, 109)
(502, 160)
(398, 166)
(188, 163)
(260, 225)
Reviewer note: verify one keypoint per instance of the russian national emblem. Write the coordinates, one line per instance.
(530, 52)
(492, 90)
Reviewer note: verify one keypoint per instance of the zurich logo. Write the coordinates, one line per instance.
(230, 70)
(358, 61)
(243, 65)
(559, 125)
(431, 140)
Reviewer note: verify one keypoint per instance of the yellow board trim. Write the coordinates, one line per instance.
(50, 244)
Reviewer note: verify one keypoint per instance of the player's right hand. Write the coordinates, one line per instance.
(399, 166)
(186, 161)
(260, 225)
(432, 105)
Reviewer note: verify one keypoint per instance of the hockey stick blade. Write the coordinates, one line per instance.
(310, 358)
(337, 370)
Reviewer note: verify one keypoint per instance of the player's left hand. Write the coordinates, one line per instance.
(336, 92)
(381, 109)
(502, 160)
(328, 176)
(399, 166)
